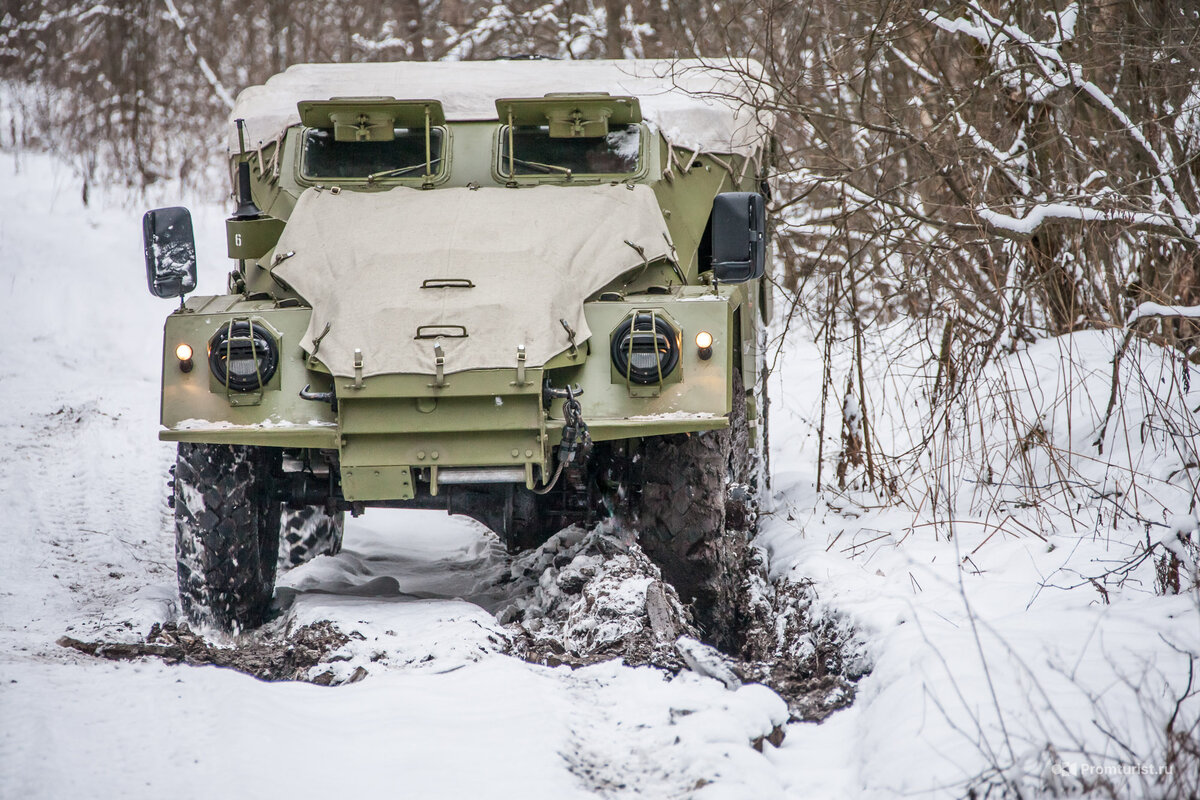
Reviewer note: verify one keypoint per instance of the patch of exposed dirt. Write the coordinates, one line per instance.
(810, 658)
(590, 596)
(282, 656)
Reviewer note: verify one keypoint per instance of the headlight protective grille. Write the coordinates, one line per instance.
(243, 356)
(645, 348)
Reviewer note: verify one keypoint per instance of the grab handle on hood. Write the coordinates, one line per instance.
(441, 332)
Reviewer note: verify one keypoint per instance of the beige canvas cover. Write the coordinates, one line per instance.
(704, 103)
(532, 254)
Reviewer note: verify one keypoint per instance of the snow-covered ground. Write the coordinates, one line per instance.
(87, 545)
(1017, 633)
(989, 647)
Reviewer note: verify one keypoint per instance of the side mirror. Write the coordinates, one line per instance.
(739, 236)
(170, 252)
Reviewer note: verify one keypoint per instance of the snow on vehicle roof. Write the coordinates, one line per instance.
(696, 103)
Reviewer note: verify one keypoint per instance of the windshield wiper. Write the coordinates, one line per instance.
(392, 173)
(542, 167)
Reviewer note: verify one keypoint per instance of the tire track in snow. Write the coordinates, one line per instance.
(85, 519)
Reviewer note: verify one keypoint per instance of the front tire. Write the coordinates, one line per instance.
(309, 532)
(696, 513)
(528, 522)
(226, 533)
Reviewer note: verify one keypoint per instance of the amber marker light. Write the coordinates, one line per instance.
(184, 354)
(704, 342)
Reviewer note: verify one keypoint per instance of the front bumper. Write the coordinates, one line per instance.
(393, 431)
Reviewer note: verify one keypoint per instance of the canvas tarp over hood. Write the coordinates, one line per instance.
(533, 255)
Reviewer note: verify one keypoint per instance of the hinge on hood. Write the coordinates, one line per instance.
(319, 338)
(571, 337)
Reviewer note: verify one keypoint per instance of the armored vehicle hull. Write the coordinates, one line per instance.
(527, 292)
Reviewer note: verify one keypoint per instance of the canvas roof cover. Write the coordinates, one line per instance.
(533, 255)
(705, 103)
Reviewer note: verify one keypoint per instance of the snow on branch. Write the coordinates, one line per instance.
(387, 41)
(851, 200)
(210, 76)
(1026, 226)
(1155, 310)
(1004, 160)
(497, 19)
(912, 64)
(10, 27)
(1057, 73)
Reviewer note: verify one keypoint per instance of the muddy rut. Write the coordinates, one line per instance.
(584, 597)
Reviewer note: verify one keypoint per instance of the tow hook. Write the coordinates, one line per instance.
(551, 393)
(318, 397)
(576, 442)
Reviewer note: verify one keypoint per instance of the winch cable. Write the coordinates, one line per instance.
(557, 474)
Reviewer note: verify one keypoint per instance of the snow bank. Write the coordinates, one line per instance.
(1008, 594)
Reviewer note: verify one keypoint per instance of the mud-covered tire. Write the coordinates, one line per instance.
(529, 522)
(696, 513)
(308, 532)
(226, 533)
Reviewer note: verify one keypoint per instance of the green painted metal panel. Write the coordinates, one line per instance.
(377, 116)
(321, 438)
(196, 408)
(377, 483)
(432, 414)
(448, 449)
(252, 238)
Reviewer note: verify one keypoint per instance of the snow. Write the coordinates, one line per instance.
(87, 543)
(668, 416)
(1017, 651)
(1053, 74)
(1157, 310)
(143, 730)
(1042, 213)
(707, 104)
(226, 425)
(997, 625)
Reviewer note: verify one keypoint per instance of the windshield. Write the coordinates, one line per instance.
(402, 157)
(535, 153)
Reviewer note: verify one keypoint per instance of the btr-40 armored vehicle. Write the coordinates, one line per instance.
(525, 291)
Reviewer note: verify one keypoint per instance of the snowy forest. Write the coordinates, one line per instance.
(984, 413)
(1032, 165)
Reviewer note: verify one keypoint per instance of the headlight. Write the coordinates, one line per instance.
(184, 354)
(243, 356)
(645, 348)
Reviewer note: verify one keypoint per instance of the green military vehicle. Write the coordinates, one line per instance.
(530, 292)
